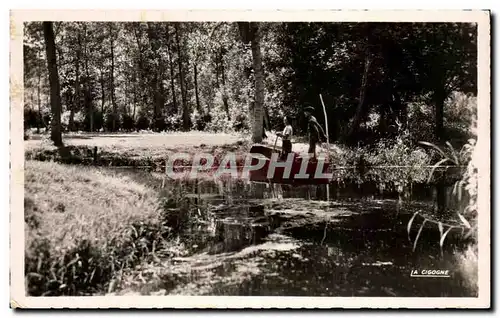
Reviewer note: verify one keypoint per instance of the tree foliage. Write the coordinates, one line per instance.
(377, 79)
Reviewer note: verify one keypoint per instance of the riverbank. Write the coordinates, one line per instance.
(131, 149)
(83, 225)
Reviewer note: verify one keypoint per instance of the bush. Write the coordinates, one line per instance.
(31, 119)
(220, 123)
(460, 113)
(241, 122)
(200, 121)
(420, 122)
(392, 164)
(142, 122)
(97, 120)
(159, 124)
(403, 164)
(173, 122)
(128, 123)
(108, 123)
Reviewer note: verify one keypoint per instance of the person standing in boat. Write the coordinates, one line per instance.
(314, 130)
(286, 137)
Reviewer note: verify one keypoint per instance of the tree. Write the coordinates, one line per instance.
(35, 69)
(55, 96)
(446, 63)
(186, 119)
(239, 76)
(157, 76)
(362, 93)
(249, 32)
(112, 35)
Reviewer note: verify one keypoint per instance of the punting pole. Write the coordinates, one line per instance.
(327, 145)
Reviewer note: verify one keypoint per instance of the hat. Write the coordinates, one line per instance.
(309, 109)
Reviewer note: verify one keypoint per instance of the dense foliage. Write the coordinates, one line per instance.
(377, 79)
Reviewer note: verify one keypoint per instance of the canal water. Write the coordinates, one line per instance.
(242, 238)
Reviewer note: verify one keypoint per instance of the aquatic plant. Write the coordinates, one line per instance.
(467, 185)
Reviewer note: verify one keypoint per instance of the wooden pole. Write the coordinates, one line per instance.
(327, 145)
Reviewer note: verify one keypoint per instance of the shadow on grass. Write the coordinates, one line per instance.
(69, 136)
(107, 135)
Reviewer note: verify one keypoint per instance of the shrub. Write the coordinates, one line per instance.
(31, 118)
(220, 123)
(173, 122)
(241, 122)
(108, 123)
(97, 123)
(142, 122)
(460, 113)
(200, 121)
(159, 124)
(392, 164)
(128, 123)
(403, 164)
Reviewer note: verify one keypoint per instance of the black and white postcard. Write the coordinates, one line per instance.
(250, 159)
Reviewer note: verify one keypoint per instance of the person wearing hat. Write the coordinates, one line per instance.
(314, 129)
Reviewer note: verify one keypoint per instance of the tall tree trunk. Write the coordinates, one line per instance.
(172, 79)
(88, 96)
(76, 99)
(141, 68)
(217, 68)
(186, 122)
(112, 78)
(198, 106)
(224, 92)
(267, 124)
(360, 109)
(172, 72)
(157, 82)
(103, 96)
(133, 110)
(127, 96)
(258, 113)
(39, 98)
(55, 97)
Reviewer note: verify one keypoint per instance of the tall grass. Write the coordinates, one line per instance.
(83, 226)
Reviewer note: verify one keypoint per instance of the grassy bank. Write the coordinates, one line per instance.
(83, 225)
(132, 149)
